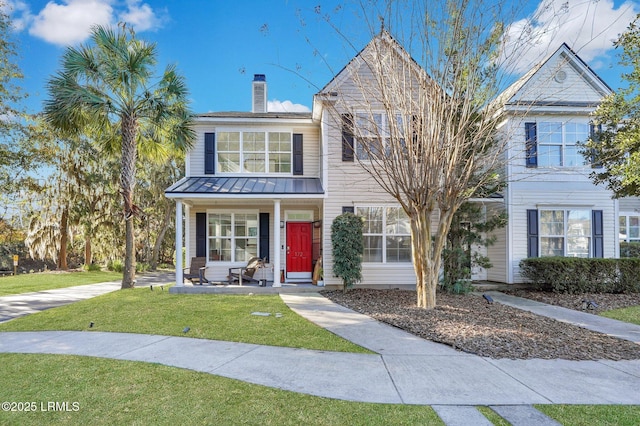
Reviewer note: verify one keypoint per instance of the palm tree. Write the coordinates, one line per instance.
(107, 89)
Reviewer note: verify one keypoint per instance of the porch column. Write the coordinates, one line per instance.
(276, 243)
(179, 224)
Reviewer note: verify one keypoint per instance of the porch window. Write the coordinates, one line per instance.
(233, 237)
(565, 233)
(387, 234)
(254, 152)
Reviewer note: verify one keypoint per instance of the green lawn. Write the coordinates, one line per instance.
(209, 316)
(589, 415)
(123, 392)
(25, 283)
(630, 314)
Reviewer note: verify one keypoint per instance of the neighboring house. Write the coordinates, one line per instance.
(270, 184)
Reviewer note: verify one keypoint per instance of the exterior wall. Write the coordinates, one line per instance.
(349, 185)
(497, 252)
(561, 195)
(311, 143)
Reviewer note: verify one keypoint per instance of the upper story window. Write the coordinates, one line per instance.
(372, 131)
(253, 152)
(555, 143)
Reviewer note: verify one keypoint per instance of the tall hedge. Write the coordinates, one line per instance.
(582, 275)
(348, 246)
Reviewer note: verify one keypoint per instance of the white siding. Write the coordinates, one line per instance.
(545, 87)
(497, 252)
(349, 185)
(538, 195)
(310, 135)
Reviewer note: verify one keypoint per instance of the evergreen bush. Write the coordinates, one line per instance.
(348, 246)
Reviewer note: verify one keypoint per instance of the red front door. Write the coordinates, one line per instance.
(299, 249)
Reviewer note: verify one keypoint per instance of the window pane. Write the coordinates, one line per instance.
(549, 132)
(372, 249)
(623, 226)
(220, 225)
(228, 163)
(572, 157)
(398, 249)
(634, 227)
(553, 246)
(220, 249)
(552, 222)
(372, 219)
(397, 221)
(254, 163)
(579, 222)
(578, 246)
(246, 248)
(549, 155)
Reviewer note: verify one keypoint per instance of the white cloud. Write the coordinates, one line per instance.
(20, 13)
(285, 106)
(70, 21)
(140, 16)
(589, 27)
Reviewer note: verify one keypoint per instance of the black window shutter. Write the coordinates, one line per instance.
(348, 209)
(531, 144)
(297, 154)
(201, 235)
(347, 137)
(593, 132)
(597, 228)
(532, 233)
(264, 236)
(210, 153)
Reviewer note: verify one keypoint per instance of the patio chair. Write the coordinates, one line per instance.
(246, 273)
(196, 270)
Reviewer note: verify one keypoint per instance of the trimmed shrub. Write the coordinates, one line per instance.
(581, 275)
(348, 245)
(629, 249)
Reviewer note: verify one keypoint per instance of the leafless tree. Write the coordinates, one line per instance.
(426, 129)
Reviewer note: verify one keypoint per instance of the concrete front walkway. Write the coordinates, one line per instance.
(405, 369)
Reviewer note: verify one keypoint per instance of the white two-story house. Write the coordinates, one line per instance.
(270, 184)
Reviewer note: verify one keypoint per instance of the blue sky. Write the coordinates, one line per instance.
(218, 45)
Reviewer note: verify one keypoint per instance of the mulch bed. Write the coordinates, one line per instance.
(468, 323)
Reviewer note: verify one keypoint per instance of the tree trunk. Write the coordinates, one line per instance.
(88, 256)
(166, 223)
(64, 237)
(127, 182)
(422, 249)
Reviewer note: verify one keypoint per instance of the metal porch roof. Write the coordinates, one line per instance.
(246, 186)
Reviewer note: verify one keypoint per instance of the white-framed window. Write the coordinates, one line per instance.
(387, 234)
(629, 228)
(232, 236)
(253, 152)
(565, 232)
(558, 143)
(372, 133)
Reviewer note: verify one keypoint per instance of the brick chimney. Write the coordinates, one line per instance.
(259, 93)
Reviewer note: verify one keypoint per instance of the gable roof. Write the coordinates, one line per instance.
(518, 94)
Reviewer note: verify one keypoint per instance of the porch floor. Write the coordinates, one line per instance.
(224, 288)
